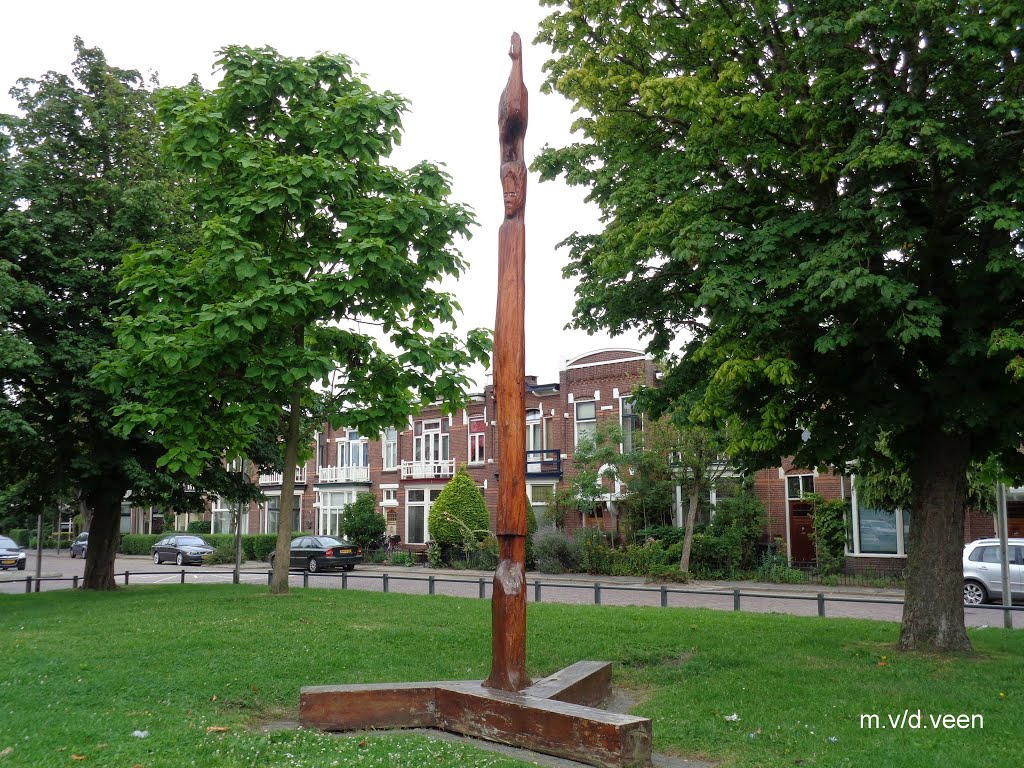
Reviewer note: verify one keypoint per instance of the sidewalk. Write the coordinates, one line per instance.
(424, 572)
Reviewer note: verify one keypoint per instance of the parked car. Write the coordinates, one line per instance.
(182, 549)
(80, 545)
(983, 573)
(322, 553)
(11, 555)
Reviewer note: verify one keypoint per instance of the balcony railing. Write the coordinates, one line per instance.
(547, 462)
(343, 474)
(276, 478)
(427, 470)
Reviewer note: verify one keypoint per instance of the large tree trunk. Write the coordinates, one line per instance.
(933, 615)
(691, 520)
(103, 536)
(286, 512)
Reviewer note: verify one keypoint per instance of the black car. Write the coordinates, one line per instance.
(322, 553)
(11, 555)
(80, 545)
(182, 549)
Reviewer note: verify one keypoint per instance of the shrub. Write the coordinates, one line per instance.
(258, 546)
(199, 527)
(459, 516)
(668, 534)
(224, 552)
(775, 569)
(361, 522)
(556, 552)
(139, 543)
(643, 559)
(668, 573)
(21, 536)
(531, 529)
(402, 558)
(596, 554)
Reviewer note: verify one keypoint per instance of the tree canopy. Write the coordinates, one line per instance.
(80, 183)
(821, 205)
(312, 288)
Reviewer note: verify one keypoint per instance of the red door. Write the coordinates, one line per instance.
(801, 524)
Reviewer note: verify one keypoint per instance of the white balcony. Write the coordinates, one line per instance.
(427, 470)
(343, 474)
(277, 478)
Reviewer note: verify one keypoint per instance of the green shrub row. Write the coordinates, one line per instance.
(591, 551)
(21, 536)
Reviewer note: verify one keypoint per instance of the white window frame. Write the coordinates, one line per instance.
(901, 542)
(328, 510)
(633, 418)
(477, 440)
(434, 434)
(429, 497)
(265, 509)
(577, 420)
(389, 449)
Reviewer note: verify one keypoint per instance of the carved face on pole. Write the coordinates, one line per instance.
(513, 187)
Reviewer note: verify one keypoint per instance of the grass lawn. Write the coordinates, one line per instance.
(80, 673)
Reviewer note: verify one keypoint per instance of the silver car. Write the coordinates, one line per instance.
(983, 574)
(11, 555)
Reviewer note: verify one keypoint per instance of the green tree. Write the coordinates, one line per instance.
(595, 463)
(671, 455)
(308, 241)
(362, 522)
(459, 517)
(80, 183)
(824, 202)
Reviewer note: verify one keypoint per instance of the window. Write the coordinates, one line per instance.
(220, 519)
(272, 507)
(534, 440)
(331, 505)
(390, 449)
(878, 531)
(321, 449)
(540, 496)
(797, 486)
(417, 509)
(430, 441)
(586, 420)
(389, 497)
(477, 430)
(632, 424)
(353, 450)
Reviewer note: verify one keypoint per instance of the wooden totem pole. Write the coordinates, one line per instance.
(556, 715)
(508, 604)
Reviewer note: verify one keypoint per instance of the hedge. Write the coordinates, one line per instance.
(254, 546)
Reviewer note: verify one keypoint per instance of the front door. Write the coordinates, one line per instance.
(801, 524)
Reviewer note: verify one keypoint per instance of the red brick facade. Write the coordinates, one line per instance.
(429, 448)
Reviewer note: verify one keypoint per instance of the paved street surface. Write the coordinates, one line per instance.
(800, 599)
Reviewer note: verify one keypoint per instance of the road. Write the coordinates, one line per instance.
(801, 600)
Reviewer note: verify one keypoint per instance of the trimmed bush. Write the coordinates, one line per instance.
(21, 536)
(459, 516)
(139, 543)
(199, 527)
(556, 552)
(361, 522)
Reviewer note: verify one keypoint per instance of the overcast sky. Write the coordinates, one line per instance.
(449, 58)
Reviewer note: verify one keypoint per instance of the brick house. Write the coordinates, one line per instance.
(406, 467)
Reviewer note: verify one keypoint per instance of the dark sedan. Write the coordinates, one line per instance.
(323, 553)
(80, 545)
(183, 550)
